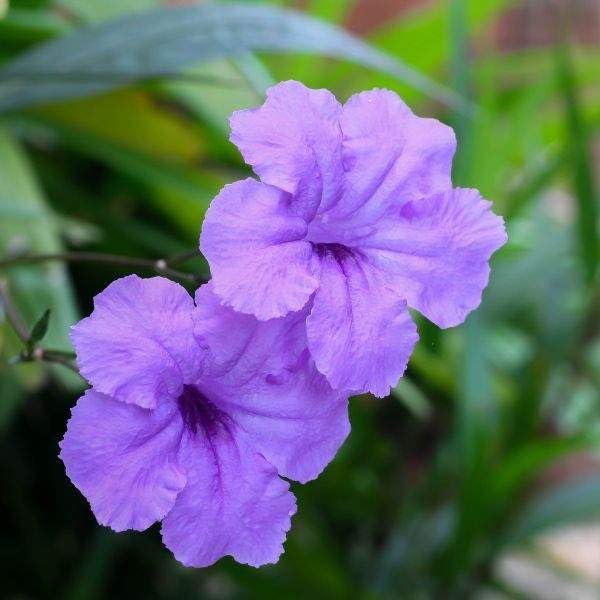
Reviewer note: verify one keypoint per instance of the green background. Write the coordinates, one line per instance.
(488, 440)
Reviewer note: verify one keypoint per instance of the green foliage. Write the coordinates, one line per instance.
(116, 52)
(583, 177)
(29, 224)
(432, 485)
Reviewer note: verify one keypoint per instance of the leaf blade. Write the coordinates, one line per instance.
(160, 42)
(40, 328)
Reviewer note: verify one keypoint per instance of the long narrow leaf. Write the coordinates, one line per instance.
(584, 185)
(569, 502)
(160, 42)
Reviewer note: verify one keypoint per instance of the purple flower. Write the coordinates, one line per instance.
(354, 219)
(194, 413)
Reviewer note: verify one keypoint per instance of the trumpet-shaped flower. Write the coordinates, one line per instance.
(194, 414)
(354, 220)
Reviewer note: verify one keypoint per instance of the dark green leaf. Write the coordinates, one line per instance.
(28, 25)
(39, 330)
(160, 42)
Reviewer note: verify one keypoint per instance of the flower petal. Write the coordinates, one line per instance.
(123, 459)
(360, 333)
(255, 246)
(437, 250)
(137, 345)
(390, 156)
(270, 388)
(234, 503)
(258, 348)
(293, 142)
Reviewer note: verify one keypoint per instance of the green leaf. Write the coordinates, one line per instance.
(26, 25)
(422, 36)
(160, 42)
(582, 165)
(521, 466)
(181, 193)
(413, 399)
(213, 104)
(569, 502)
(39, 330)
(133, 121)
(99, 10)
(28, 225)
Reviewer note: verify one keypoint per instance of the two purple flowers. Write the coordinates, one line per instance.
(199, 407)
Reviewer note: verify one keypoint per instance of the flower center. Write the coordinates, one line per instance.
(197, 411)
(338, 251)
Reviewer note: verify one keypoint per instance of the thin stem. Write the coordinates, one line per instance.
(176, 259)
(64, 362)
(60, 353)
(12, 315)
(52, 356)
(160, 266)
(29, 352)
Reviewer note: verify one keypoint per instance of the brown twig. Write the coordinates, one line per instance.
(160, 266)
(52, 356)
(176, 259)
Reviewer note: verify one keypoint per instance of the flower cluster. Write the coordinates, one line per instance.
(199, 407)
(195, 412)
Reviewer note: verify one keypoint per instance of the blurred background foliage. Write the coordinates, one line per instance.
(115, 140)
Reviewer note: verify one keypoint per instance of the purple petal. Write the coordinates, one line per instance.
(259, 260)
(269, 386)
(138, 345)
(390, 157)
(123, 459)
(233, 504)
(258, 348)
(436, 251)
(359, 331)
(293, 141)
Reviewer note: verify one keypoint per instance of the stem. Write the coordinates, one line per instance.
(160, 266)
(60, 353)
(57, 357)
(175, 259)
(30, 353)
(65, 363)
(12, 315)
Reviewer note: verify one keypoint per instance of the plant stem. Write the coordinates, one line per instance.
(31, 353)
(59, 353)
(160, 266)
(176, 259)
(52, 356)
(12, 315)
